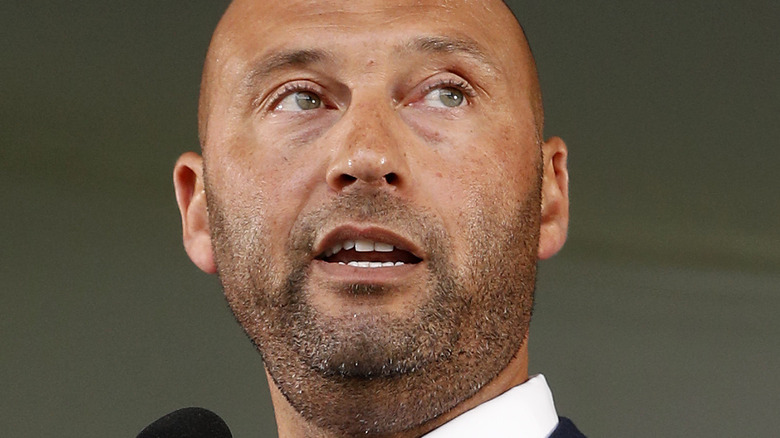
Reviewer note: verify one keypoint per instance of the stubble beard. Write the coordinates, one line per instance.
(379, 374)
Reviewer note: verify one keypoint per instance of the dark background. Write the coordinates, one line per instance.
(659, 318)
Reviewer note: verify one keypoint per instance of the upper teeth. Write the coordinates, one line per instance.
(359, 246)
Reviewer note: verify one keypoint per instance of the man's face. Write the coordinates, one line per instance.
(374, 179)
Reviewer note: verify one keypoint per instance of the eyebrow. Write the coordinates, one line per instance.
(282, 61)
(448, 45)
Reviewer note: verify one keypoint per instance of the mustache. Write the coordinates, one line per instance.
(375, 206)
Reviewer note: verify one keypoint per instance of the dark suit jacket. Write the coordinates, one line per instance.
(566, 429)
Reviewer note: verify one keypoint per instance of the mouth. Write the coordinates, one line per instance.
(367, 249)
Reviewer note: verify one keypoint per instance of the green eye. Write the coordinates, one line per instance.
(451, 97)
(299, 101)
(307, 101)
(447, 97)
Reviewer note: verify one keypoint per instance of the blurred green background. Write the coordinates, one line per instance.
(659, 318)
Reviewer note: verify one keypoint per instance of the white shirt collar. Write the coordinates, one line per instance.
(526, 410)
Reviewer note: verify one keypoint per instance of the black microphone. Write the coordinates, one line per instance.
(187, 423)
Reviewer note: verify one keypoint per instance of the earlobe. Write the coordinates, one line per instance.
(191, 197)
(555, 198)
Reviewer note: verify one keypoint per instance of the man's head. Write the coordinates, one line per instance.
(374, 194)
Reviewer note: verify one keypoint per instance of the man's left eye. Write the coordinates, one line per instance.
(447, 97)
(299, 101)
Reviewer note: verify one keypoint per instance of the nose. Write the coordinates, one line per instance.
(368, 149)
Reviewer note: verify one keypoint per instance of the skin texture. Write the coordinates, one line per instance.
(471, 191)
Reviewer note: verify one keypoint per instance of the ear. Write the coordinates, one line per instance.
(555, 198)
(191, 197)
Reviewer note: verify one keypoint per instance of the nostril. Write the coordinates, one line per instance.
(391, 178)
(346, 179)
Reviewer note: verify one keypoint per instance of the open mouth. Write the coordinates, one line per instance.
(364, 253)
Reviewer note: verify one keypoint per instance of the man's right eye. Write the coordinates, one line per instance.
(299, 101)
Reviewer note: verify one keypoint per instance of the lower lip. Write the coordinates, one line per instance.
(356, 275)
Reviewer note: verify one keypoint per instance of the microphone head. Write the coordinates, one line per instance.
(187, 423)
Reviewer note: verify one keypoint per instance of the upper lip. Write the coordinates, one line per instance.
(343, 233)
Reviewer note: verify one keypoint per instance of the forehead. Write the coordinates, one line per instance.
(252, 27)
(359, 13)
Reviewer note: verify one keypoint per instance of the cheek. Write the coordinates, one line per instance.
(481, 159)
(479, 172)
(264, 182)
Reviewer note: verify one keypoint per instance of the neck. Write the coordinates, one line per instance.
(291, 424)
